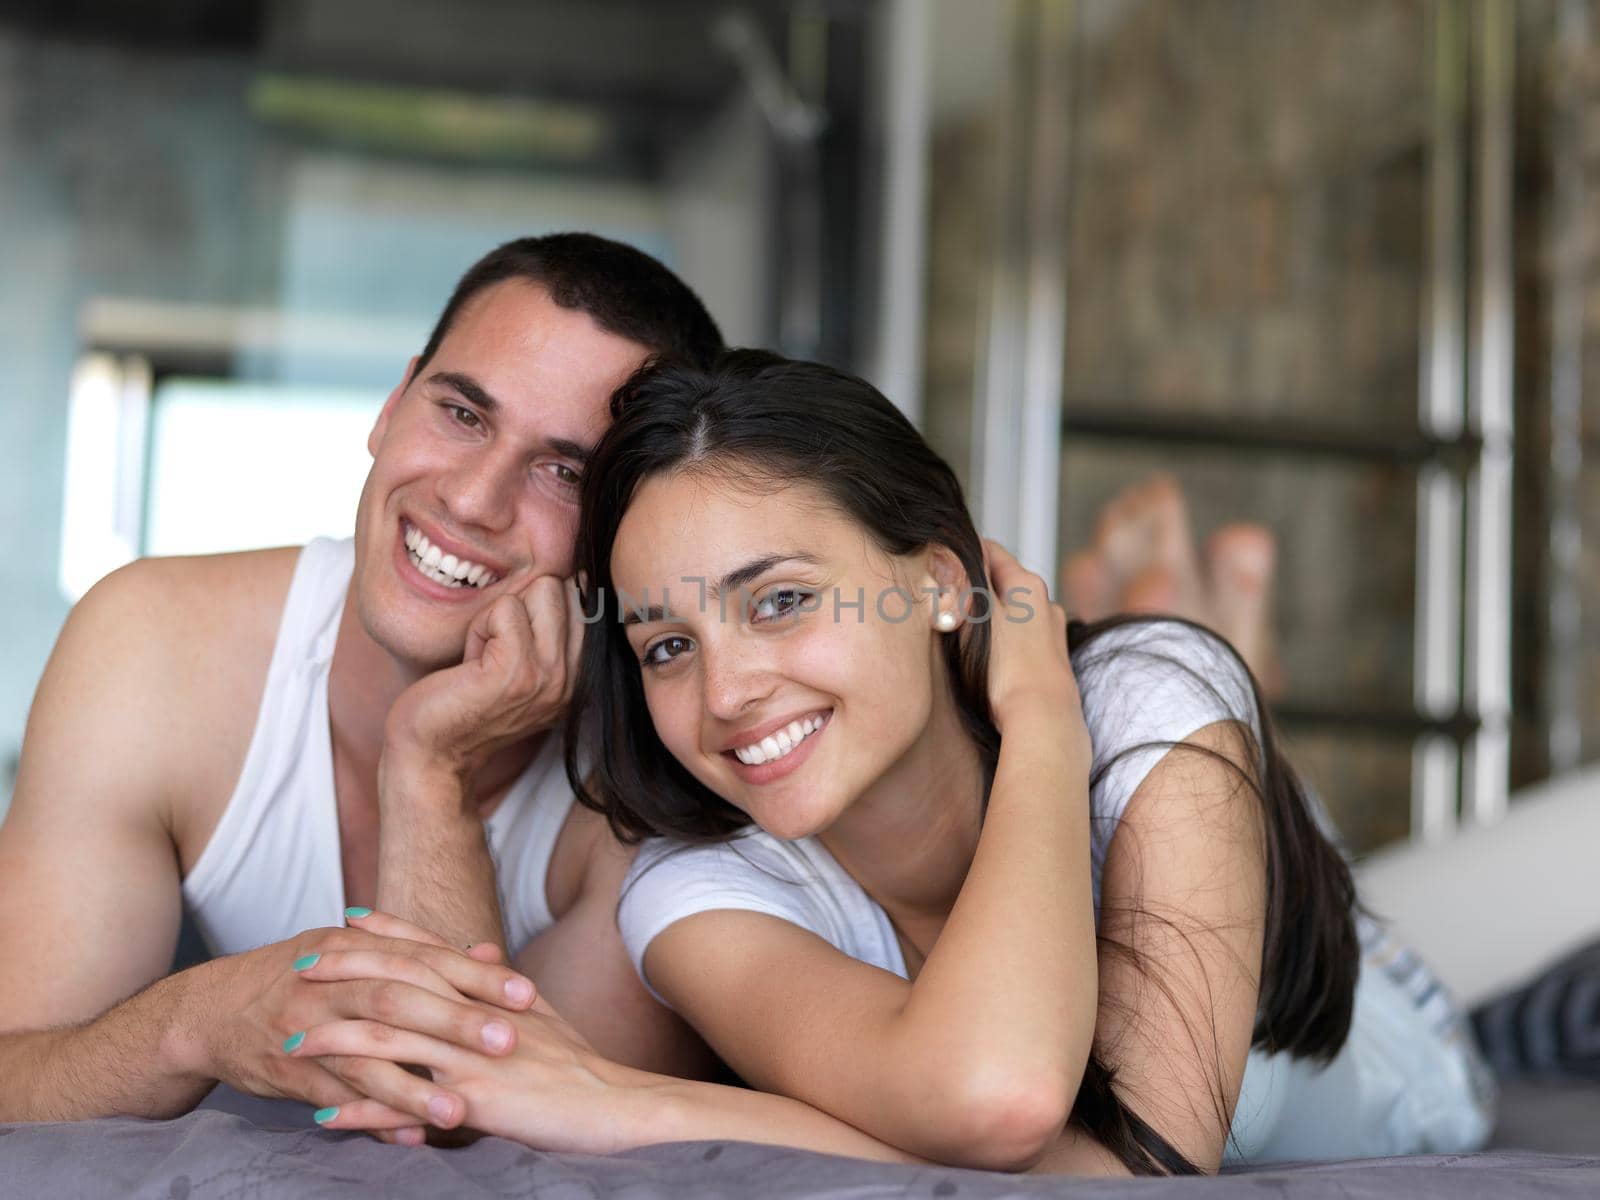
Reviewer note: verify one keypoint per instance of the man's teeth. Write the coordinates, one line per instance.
(776, 745)
(445, 568)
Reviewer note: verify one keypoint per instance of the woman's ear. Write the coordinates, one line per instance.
(946, 585)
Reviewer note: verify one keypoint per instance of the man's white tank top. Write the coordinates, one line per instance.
(272, 867)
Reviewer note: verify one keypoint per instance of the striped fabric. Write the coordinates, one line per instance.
(1549, 1027)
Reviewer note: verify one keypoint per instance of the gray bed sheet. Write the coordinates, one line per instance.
(237, 1147)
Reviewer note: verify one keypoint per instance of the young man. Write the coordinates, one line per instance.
(271, 736)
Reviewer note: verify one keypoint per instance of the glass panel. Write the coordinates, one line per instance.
(1247, 243)
(1247, 229)
(1358, 777)
(238, 466)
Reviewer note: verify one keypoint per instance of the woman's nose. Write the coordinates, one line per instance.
(737, 678)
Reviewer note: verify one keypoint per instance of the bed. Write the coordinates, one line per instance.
(238, 1147)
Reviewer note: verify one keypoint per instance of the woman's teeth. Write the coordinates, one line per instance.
(445, 568)
(776, 745)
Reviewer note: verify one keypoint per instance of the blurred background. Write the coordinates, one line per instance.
(1333, 267)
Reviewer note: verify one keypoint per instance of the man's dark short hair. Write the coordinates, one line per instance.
(624, 290)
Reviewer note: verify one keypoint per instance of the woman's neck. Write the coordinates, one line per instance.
(909, 842)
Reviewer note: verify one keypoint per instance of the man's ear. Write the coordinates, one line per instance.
(381, 425)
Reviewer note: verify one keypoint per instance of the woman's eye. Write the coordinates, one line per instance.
(659, 654)
(785, 602)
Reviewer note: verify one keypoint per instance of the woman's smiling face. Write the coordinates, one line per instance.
(781, 666)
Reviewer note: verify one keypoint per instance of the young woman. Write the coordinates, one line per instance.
(991, 889)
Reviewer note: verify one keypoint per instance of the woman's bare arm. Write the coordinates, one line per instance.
(1183, 908)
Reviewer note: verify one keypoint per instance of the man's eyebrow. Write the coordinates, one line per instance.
(471, 389)
(567, 448)
(733, 581)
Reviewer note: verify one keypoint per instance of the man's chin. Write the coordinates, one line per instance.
(420, 651)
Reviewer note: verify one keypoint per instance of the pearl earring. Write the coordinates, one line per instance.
(946, 621)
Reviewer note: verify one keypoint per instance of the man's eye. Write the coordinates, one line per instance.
(659, 654)
(464, 416)
(785, 602)
(565, 474)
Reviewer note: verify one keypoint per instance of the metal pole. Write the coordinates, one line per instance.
(1044, 349)
(1487, 766)
(1436, 759)
(1563, 667)
(907, 49)
(1017, 413)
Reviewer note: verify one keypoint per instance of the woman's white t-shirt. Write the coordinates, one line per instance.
(1145, 687)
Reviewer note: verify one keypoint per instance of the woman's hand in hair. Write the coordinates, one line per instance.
(1029, 669)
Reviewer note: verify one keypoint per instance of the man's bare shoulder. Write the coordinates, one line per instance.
(199, 623)
(224, 594)
(164, 662)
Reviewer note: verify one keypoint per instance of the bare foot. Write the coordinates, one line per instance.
(1088, 588)
(1145, 538)
(1241, 563)
(1144, 560)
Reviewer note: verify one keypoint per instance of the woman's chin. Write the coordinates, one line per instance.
(790, 825)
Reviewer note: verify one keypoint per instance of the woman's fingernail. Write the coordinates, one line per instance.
(497, 1035)
(441, 1109)
(306, 961)
(356, 912)
(323, 1115)
(519, 991)
(292, 1042)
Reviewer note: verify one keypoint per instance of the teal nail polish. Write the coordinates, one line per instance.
(357, 912)
(306, 961)
(292, 1042)
(323, 1115)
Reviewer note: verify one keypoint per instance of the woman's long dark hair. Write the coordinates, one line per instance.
(768, 420)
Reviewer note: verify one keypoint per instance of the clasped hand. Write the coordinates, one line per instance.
(373, 982)
(545, 1086)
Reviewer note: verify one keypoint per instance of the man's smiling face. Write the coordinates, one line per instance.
(473, 490)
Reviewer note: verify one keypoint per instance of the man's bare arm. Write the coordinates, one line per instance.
(88, 870)
(135, 703)
(442, 739)
(434, 868)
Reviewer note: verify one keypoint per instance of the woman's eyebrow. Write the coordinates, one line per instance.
(757, 567)
(638, 610)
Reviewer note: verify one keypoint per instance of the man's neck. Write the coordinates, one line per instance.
(364, 681)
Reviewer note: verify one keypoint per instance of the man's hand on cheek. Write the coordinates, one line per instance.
(515, 680)
(257, 1007)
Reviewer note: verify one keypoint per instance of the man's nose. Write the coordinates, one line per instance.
(482, 491)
